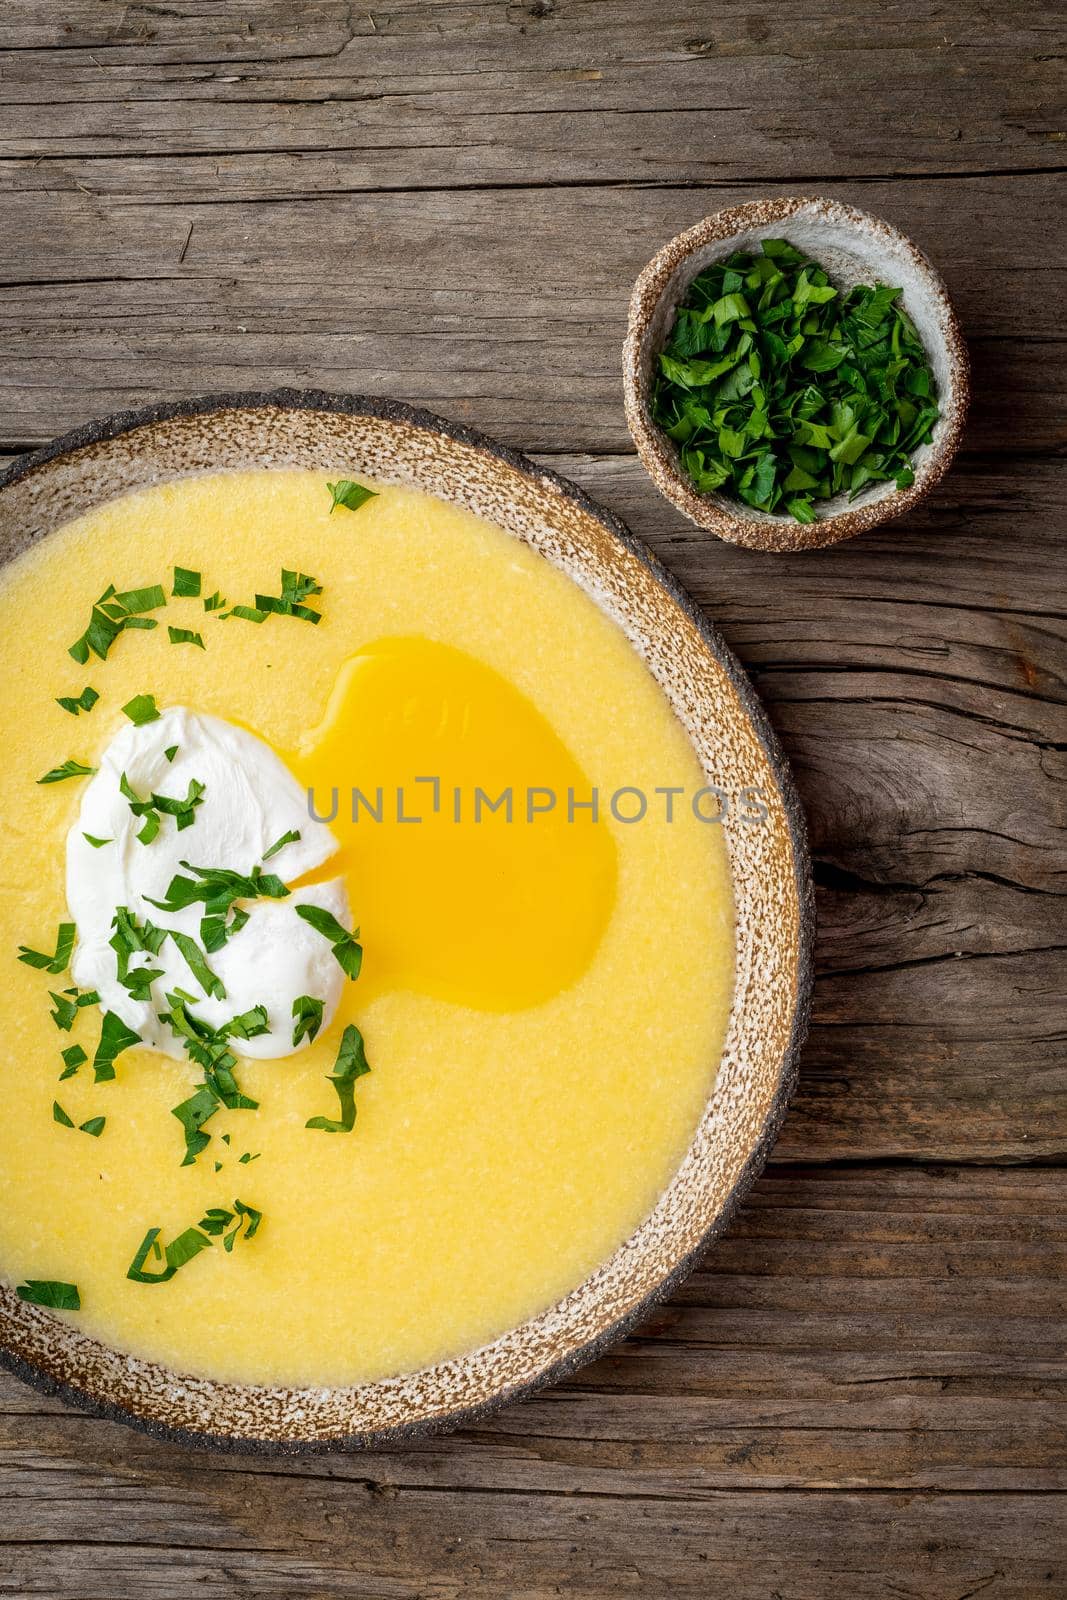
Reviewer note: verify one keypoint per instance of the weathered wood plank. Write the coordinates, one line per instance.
(504, 309)
(878, 1329)
(284, 1539)
(444, 94)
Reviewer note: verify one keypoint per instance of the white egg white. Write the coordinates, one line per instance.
(250, 800)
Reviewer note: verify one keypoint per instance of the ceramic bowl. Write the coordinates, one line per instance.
(734, 743)
(854, 248)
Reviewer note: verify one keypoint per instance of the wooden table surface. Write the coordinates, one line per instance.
(447, 201)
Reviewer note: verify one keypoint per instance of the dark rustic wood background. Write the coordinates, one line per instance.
(447, 202)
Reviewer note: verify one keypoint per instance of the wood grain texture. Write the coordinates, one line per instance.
(868, 1366)
(860, 1394)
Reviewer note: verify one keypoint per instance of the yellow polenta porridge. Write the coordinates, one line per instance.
(353, 1012)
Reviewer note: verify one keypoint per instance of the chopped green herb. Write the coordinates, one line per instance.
(94, 1127)
(279, 844)
(82, 702)
(345, 945)
(60, 959)
(214, 602)
(307, 1013)
(159, 805)
(296, 587)
(192, 1114)
(50, 1292)
(781, 391)
(197, 963)
(217, 1220)
(171, 751)
(182, 810)
(246, 613)
(185, 636)
(111, 614)
(73, 1058)
(115, 1037)
(69, 769)
(248, 1158)
(180, 1251)
(186, 583)
(350, 1065)
(348, 493)
(218, 888)
(140, 981)
(65, 1012)
(249, 1025)
(141, 709)
(131, 938)
(215, 930)
(241, 1221)
(136, 600)
(95, 842)
(69, 1003)
(208, 1047)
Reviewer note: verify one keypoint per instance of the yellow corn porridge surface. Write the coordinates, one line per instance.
(533, 1087)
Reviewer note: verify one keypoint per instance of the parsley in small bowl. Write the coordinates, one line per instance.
(791, 388)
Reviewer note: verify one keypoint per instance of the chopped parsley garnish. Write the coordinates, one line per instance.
(197, 962)
(186, 583)
(217, 888)
(296, 588)
(69, 769)
(185, 636)
(209, 1048)
(217, 1221)
(215, 930)
(279, 844)
(94, 1127)
(115, 1037)
(248, 1158)
(73, 1058)
(50, 1292)
(158, 806)
(141, 709)
(214, 602)
(133, 938)
(68, 1004)
(114, 612)
(176, 1254)
(350, 1065)
(782, 391)
(241, 1221)
(60, 959)
(78, 703)
(345, 945)
(171, 751)
(350, 494)
(139, 983)
(246, 613)
(307, 1014)
(95, 842)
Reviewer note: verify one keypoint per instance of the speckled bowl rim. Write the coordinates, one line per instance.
(386, 410)
(726, 518)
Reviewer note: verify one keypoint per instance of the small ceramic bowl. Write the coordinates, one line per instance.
(854, 248)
